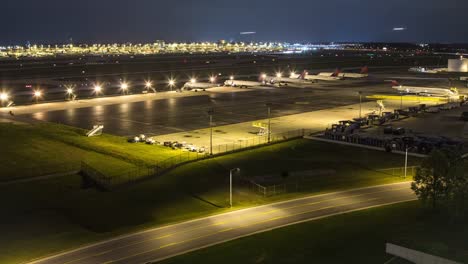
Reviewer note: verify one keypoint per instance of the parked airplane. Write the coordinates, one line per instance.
(244, 84)
(199, 86)
(323, 76)
(348, 75)
(428, 91)
(292, 79)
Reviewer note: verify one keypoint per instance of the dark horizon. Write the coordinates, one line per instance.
(144, 21)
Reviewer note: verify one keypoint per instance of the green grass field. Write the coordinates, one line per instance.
(56, 214)
(41, 149)
(357, 237)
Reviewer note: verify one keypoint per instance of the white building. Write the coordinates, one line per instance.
(458, 65)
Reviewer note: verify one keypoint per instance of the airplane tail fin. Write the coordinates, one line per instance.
(336, 73)
(395, 83)
(365, 70)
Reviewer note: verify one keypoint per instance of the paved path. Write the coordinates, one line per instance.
(161, 243)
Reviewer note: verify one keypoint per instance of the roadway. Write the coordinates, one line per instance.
(168, 241)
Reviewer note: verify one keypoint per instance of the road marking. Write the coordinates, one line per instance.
(131, 121)
(233, 212)
(228, 222)
(244, 226)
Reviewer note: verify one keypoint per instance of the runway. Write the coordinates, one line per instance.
(165, 242)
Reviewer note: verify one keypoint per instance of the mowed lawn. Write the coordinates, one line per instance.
(42, 149)
(357, 237)
(57, 214)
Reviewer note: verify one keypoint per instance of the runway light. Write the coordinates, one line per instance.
(4, 96)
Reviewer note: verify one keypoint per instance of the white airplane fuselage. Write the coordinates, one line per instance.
(424, 90)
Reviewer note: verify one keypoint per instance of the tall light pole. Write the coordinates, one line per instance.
(149, 85)
(37, 95)
(230, 184)
(360, 104)
(124, 87)
(211, 112)
(401, 101)
(171, 83)
(269, 121)
(406, 161)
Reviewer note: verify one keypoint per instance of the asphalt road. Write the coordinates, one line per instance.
(161, 243)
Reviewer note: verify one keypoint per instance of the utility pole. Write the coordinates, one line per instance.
(360, 104)
(211, 112)
(230, 184)
(406, 162)
(401, 101)
(269, 121)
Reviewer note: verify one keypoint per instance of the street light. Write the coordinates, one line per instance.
(37, 95)
(269, 121)
(70, 92)
(210, 113)
(360, 104)
(193, 80)
(149, 84)
(231, 77)
(4, 97)
(212, 79)
(230, 184)
(263, 76)
(401, 101)
(171, 83)
(406, 161)
(279, 74)
(124, 87)
(97, 89)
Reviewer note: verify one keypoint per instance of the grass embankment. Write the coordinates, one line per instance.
(357, 237)
(52, 215)
(41, 149)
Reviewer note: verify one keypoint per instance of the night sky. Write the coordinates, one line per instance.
(56, 21)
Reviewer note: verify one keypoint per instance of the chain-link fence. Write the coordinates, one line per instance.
(400, 171)
(272, 190)
(141, 173)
